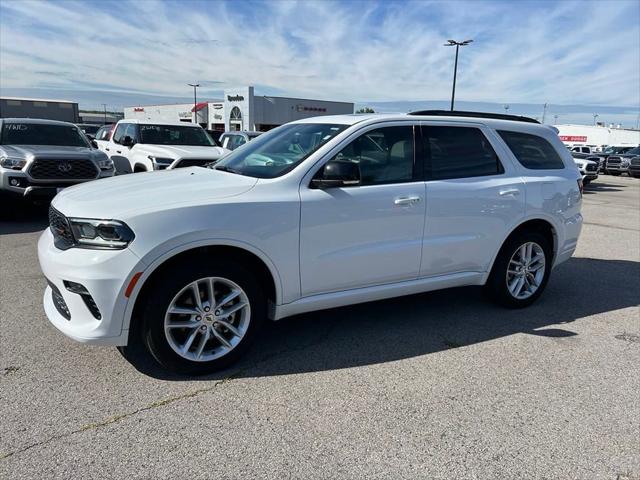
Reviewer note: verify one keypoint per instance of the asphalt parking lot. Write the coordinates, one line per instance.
(440, 385)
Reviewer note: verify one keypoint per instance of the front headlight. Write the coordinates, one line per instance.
(12, 163)
(160, 162)
(625, 162)
(106, 164)
(101, 234)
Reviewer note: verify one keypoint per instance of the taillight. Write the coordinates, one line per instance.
(580, 186)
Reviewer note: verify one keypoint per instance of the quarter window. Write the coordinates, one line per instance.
(385, 155)
(458, 152)
(533, 152)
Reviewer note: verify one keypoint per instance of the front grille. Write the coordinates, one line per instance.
(58, 301)
(59, 169)
(193, 162)
(635, 162)
(59, 225)
(591, 167)
(614, 161)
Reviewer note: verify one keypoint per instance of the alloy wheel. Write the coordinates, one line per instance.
(526, 270)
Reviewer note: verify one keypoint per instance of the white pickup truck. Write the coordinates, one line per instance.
(141, 146)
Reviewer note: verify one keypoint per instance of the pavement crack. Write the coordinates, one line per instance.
(122, 416)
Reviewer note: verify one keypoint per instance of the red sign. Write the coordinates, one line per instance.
(573, 138)
(138, 109)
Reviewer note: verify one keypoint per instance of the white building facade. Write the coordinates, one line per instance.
(240, 109)
(596, 135)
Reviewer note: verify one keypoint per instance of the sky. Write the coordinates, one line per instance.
(388, 54)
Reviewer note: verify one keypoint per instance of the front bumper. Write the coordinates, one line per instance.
(27, 187)
(105, 275)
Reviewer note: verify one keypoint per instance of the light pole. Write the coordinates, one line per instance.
(452, 43)
(544, 111)
(195, 103)
(506, 108)
(105, 113)
(555, 119)
(595, 116)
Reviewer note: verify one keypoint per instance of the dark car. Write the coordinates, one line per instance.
(602, 157)
(634, 167)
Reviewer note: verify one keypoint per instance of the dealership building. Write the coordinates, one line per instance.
(240, 109)
(597, 135)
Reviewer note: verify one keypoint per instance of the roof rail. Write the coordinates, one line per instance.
(459, 113)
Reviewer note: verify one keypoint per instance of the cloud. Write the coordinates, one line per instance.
(536, 52)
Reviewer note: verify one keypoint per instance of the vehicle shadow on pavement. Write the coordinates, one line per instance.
(23, 217)
(602, 187)
(405, 327)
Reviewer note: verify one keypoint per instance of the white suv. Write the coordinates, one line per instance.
(315, 214)
(141, 146)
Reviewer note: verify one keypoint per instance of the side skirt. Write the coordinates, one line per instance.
(378, 292)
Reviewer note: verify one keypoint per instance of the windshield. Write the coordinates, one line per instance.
(280, 150)
(174, 135)
(42, 134)
(634, 151)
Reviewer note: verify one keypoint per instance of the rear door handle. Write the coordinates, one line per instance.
(107, 149)
(511, 191)
(118, 151)
(406, 200)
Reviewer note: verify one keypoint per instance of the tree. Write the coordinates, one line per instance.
(366, 110)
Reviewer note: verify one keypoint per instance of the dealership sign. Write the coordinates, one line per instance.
(138, 109)
(235, 98)
(573, 138)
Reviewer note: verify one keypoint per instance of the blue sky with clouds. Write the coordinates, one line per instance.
(566, 52)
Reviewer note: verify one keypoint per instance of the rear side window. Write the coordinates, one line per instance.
(458, 152)
(533, 152)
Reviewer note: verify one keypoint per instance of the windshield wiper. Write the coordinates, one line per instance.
(224, 168)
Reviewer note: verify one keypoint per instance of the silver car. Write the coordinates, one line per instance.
(40, 157)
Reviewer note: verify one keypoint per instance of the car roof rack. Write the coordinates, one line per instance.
(459, 113)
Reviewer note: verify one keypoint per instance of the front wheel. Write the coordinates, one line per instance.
(201, 317)
(521, 270)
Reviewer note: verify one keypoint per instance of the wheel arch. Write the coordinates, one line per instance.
(537, 224)
(266, 271)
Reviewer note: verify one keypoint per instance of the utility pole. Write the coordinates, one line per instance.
(595, 116)
(195, 102)
(544, 111)
(451, 43)
(105, 113)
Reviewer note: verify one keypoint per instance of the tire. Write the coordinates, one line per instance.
(586, 182)
(497, 284)
(174, 289)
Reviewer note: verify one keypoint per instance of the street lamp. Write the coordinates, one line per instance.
(195, 103)
(555, 119)
(452, 43)
(506, 108)
(595, 116)
(105, 113)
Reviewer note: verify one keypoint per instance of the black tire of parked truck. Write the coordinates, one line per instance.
(164, 291)
(497, 285)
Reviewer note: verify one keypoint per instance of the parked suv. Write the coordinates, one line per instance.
(40, 157)
(602, 157)
(315, 214)
(634, 166)
(141, 146)
(588, 169)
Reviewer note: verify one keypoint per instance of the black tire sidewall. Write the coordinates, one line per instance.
(497, 286)
(166, 286)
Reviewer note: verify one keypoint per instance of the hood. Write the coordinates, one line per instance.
(182, 151)
(28, 151)
(125, 195)
(581, 162)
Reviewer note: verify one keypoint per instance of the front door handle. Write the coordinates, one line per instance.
(107, 149)
(406, 200)
(511, 191)
(118, 151)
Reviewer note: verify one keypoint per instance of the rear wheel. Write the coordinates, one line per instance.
(200, 318)
(521, 270)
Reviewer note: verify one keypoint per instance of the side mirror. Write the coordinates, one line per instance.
(337, 173)
(127, 141)
(94, 144)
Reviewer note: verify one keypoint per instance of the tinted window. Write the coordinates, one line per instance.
(42, 134)
(532, 151)
(458, 152)
(174, 135)
(231, 142)
(118, 135)
(385, 155)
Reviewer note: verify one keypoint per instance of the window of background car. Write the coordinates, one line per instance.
(280, 150)
(385, 155)
(131, 131)
(533, 152)
(231, 142)
(458, 152)
(43, 134)
(118, 135)
(174, 135)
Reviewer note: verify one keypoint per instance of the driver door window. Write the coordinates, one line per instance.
(385, 155)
